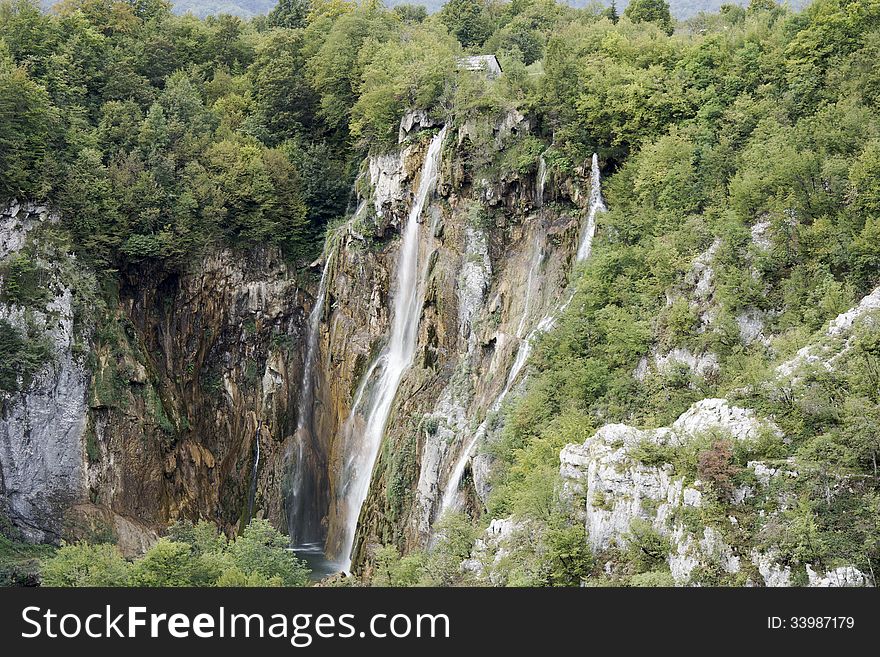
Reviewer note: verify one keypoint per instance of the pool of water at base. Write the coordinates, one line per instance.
(313, 555)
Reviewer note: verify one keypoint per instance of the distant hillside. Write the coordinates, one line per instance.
(243, 8)
(248, 8)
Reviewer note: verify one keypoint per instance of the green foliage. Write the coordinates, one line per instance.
(652, 578)
(25, 281)
(454, 539)
(22, 355)
(652, 11)
(19, 561)
(468, 20)
(262, 550)
(411, 73)
(190, 555)
(81, 564)
(390, 569)
(27, 130)
(568, 559)
(289, 13)
(167, 563)
(646, 549)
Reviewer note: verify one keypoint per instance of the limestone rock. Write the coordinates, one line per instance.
(42, 425)
(839, 577)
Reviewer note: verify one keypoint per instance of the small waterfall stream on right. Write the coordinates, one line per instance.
(452, 498)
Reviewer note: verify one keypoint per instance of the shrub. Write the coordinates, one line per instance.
(167, 563)
(646, 548)
(715, 466)
(82, 564)
(263, 550)
(21, 356)
(652, 578)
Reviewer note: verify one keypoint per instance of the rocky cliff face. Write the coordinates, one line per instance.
(153, 406)
(498, 264)
(147, 410)
(43, 409)
(624, 478)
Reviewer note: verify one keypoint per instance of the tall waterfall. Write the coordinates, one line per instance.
(452, 498)
(385, 374)
(306, 506)
(597, 204)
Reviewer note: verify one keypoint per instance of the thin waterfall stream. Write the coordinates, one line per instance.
(306, 506)
(452, 498)
(252, 494)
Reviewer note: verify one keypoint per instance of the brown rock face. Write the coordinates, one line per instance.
(497, 266)
(190, 368)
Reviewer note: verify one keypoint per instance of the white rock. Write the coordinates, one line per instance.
(41, 429)
(773, 573)
(760, 235)
(845, 576)
(741, 423)
(618, 489)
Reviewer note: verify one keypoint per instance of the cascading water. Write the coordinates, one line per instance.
(542, 179)
(452, 498)
(361, 450)
(306, 506)
(253, 491)
(597, 204)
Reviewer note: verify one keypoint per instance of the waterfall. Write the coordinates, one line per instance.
(452, 497)
(253, 492)
(361, 450)
(542, 179)
(305, 509)
(596, 205)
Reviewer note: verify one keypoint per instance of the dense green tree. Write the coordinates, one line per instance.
(650, 11)
(27, 123)
(262, 550)
(337, 68)
(411, 13)
(409, 74)
(468, 20)
(290, 13)
(611, 12)
(167, 563)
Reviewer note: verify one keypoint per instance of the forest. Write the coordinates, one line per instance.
(158, 137)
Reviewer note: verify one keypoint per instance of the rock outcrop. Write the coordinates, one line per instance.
(43, 415)
(146, 411)
(619, 489)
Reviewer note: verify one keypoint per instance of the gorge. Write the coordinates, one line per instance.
(604, 315)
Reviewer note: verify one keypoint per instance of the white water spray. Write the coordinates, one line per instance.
(542, 180)
(254, 471)
(361, 450)
(452, 498)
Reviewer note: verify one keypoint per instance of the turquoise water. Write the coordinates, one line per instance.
(313, 554)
